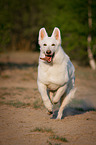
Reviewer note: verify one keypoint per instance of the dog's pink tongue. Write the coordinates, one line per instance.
(47, 58)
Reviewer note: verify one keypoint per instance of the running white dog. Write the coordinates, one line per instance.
(55, 72)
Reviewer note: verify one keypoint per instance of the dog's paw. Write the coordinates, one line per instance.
(59, 116)
(48, 105)
(50, 112)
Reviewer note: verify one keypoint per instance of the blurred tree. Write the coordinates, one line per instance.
(90, 54)
(21, 20)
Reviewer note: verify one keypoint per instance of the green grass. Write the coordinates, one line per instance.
(37, 129)
(26, 97)
(5, 94)
(55, 137)
(16, 104)
(3, 98)
(52, 136)
(24, 79)
(9, 94)
(2, 102)
(21, 89)
(3, 88)
(37, 104)
(49, 142)
(6, 76)
(35, 89)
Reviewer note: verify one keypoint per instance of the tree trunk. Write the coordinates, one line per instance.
(90, 55)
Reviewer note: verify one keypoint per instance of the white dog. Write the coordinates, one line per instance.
(55, 72)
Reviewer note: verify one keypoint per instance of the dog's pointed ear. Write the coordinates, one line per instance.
(42, 34)
(56, 34)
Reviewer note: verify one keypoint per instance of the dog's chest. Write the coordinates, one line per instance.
(52, 76)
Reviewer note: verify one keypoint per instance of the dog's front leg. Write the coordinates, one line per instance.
(43, 91)
(59, 93)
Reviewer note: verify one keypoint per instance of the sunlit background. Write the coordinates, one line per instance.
(20, 21)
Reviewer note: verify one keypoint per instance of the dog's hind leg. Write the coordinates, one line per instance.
(51, 96)
(59, 93)
(65, 101)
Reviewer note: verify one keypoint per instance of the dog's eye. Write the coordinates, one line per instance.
(45, 44)
(53, 44)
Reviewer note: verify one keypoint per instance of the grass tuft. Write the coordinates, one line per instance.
(2, 102)
(3, 88)
(37, 129)
(49, 142)
(3, 98)
(37, 104)
(21, 89)
(49, 130)
(17, 104)
(63, 139)
(6, 76)
(6, 94)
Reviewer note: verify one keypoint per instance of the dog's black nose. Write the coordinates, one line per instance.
(48, 51)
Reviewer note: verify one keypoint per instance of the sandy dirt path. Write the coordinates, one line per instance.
(23, 117)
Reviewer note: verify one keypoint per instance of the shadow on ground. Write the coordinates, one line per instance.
(77, 107)
(10, 65)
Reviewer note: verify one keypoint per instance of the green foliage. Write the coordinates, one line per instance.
(21, 20)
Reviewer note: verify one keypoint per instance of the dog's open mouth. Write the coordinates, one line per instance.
(48, 57)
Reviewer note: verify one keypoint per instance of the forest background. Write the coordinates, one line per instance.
(21, 20)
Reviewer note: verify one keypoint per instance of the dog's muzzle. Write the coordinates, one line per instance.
(48, 56)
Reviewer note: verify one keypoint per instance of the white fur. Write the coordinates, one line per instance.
(56, 76)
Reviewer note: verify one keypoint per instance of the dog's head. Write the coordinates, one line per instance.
(49, 45)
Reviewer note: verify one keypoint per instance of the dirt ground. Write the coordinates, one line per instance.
(23, 117)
